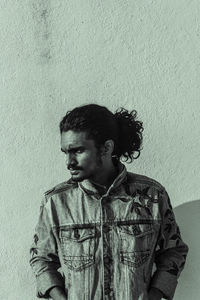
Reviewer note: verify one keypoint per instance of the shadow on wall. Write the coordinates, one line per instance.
(188, 219)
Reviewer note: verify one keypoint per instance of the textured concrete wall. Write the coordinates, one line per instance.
(55, 55)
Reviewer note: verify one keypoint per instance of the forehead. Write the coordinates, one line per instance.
(74, 139)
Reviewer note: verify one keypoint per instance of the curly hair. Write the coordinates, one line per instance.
(100, 124)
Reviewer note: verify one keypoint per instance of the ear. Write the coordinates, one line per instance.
(108, 147)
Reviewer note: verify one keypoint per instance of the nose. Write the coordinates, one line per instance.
(71, 161)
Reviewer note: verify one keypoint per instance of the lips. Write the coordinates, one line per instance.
(74, 172)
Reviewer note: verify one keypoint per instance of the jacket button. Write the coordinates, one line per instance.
(76, 234)
(107, 260)
(106, 228)
(107, 291)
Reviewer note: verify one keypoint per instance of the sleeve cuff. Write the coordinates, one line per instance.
(165, 282)
(46, 281)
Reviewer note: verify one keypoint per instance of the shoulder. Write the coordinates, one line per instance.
(142, 181)
(65, 186)
(148, 187)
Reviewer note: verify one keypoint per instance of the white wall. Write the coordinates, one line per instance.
(55, 55)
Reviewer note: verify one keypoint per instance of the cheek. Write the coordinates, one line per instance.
(84, 160)
(88, 162)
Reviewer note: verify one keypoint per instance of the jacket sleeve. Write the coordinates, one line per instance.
(44, 257)
(171, 251)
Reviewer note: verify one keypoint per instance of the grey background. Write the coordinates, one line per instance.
(56, 55)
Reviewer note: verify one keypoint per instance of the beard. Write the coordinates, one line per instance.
(76, 179)
(84, 173)
(99, 161)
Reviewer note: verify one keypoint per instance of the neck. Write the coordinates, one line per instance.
(106, 176)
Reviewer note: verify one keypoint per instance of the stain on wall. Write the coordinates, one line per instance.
(41, 14)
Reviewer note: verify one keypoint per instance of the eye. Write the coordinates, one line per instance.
(79, 150)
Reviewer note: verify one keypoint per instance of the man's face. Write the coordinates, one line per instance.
(83, 158)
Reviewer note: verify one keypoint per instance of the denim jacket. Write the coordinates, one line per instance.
(109, 246)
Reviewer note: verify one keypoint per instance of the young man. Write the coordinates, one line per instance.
(105, 234)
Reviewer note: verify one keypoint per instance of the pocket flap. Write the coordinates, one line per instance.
(77, 234)
(136, 230)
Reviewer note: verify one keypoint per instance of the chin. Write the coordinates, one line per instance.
(77, 178)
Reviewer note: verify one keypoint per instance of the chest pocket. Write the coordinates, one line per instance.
(77, 246)
(135, 243)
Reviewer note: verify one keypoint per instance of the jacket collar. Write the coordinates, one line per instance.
(93, 188)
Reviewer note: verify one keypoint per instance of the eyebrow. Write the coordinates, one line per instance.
(73, 149)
